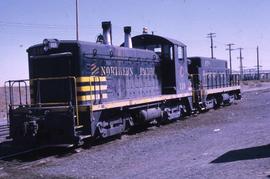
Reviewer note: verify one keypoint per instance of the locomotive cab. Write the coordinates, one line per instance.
(173, 58)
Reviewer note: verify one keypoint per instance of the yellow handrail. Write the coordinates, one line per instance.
(54, 103)
(76, 101)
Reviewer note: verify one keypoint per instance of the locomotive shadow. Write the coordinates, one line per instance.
(9, 152)
(7, 149)
(251, 153)
(99, 141)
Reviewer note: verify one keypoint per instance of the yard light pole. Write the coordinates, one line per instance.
(77, 22)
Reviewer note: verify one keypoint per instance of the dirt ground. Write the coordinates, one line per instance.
(231, 142)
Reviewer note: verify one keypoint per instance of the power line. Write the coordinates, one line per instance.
(31, 25)
(34, 25)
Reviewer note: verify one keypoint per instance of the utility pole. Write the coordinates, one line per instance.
(77, 22)
(211, 36)
(241, 63)
(230, 55)
(258, 63)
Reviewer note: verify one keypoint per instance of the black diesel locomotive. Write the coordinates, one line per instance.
(82, 90)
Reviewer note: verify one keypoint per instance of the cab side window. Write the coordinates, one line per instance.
(180, 51)
(167, 51)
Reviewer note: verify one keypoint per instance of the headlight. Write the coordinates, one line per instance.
(50, 44)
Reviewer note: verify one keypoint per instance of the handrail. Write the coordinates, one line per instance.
(71, 101)
(46, 104)
(76, 101)
(91, 101)
(211, 81)
(6, 100)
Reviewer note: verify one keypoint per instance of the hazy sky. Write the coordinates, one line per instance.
(242, 22)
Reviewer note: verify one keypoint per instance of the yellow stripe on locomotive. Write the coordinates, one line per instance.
(91, 78)
(91, 88)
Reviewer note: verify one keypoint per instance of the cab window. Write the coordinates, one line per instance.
(180, 51)
(167, 52)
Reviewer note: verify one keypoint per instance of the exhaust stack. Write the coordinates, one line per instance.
(128, 42)
(107, 32)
